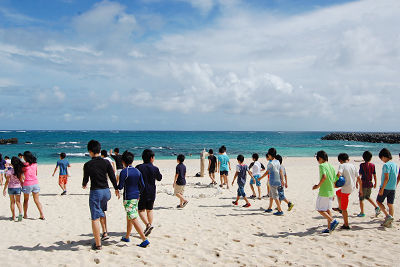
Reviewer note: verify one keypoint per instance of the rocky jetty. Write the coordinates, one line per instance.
(9, 141)
(390, 138)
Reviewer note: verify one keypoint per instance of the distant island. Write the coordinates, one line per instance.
(390, 138)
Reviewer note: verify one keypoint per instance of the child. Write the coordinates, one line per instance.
(212, 163)
(132, 182)
(326, 191)
(63, 175)
(118, 161)
(257, 168)
(106, 157)
(180, 181)
(97, 170)
(350, 174)
(2, 168)
(273, 169)
(367, 169)
(13, 182)
(8, 163)
(280, 188)
(241, 175)
(388, 185)
(224, 166)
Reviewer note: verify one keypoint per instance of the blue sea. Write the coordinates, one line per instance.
(47, 145)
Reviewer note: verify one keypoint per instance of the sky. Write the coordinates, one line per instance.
(212, 65)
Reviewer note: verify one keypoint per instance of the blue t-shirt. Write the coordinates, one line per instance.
(274, 175)
(63, 164)
(390, 168)
(131, 180)
(2, 163)
(242, 173)
(181, 171)
(223, 159)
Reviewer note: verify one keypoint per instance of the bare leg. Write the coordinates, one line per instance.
(144, 217)
(345, 217)
(391, 209)
(252, 189)
(182, 199)
(226, 181)
(103, 222)
(150, 216)
(245, 199)
(96, 231)
(372, 202)
(278, 204)
(271, 200)
(1, 179)
(26, 200)
(222, 180)
(138, 228)
(362, 207)
(383, 209)
(259, 192)
(18, 202)
(128, 227)
(328, 216)
(12, 206)
(38, 204)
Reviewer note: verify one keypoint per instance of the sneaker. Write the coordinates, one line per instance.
(20, 217)
(64, 193)
(268, 210)
(290, 206)
(148, 230)
(334, 224)
(388, 220)
(326, 231)
(235, 203)
(377, 211)
(125, 239)
(246, 205)
(345, 227)
(184, 204)
(361, 215)
(252, 196)
(279, 213)
(144, 244)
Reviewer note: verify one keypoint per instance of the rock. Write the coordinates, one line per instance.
(97, 261)
(9, 141)
(390, 138)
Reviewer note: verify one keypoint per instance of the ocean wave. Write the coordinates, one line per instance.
(357, 146)
(77, 147)
(77, 154)
(21, 131)
(5, 131)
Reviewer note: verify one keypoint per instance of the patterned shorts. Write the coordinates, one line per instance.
(131, 208)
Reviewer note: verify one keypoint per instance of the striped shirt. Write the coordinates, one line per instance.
(366, 171)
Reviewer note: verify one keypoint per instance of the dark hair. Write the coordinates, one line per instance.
(181, 158)
(343, 157)
(17, 165)
(367, 156)
(255, 156)
(6, 157)
(94, 146)
(127, 157)
(322, 154)
(272, 152)
(279, 158)
(20, 155)
(240, 158)
(223, 148)
(63, 155)
(29, 157)
(116, 150)
(385, 153)
(104, 153)
(210, 151)
(147, 155)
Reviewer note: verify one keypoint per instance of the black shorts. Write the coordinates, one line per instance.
(223, 173)
(145, 204)
(389, 194)
(211, 170)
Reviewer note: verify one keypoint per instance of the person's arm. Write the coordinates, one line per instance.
(85, 177)
(286, 185)
(209, 164)
(219, 165)
(113, 166)
(359, 181)
(265, 174)
(55, 170)
(158, 175)
(281, 175)
(176, 178)
(262, 167)
(385, 181)
(398, 179)
(229, 163)
(6, 184)
(234, 177)
(324, 177)
(375, 180)
(111, 175)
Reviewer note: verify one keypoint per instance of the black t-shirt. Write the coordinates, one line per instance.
(97, 170)
(118, 161)
(181, 171)
(213, 161)
(150, 174)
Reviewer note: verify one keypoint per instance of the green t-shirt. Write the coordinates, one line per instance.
(327, 189)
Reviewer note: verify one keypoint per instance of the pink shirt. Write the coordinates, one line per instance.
(14, 182)
(30, 174)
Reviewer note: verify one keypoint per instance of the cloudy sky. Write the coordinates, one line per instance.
(275, 65)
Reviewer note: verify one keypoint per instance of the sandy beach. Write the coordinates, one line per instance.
(208, 231)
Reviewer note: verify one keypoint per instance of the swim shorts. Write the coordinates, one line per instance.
(145, 204)
(62, 179)
(344, 199)
(366, 194)
(281, 193)
(258, 183)
(131, 208)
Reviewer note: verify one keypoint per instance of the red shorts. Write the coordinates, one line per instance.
(62, 179)
(344, 199)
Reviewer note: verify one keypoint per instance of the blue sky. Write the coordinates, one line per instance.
(200, 65)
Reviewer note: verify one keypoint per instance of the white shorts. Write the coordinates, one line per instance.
(324, 203)
(2, 171)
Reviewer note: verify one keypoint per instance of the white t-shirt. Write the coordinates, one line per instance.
(350, 173)
(109, 159)
(256, 168)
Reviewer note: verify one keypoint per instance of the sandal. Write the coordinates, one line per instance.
(105, 236)
(94, 247)
(338, 210)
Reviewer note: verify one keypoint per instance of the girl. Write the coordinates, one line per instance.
(31, 183)
(14, 177)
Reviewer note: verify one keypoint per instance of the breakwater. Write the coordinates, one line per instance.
(9, 141)
(389, 138)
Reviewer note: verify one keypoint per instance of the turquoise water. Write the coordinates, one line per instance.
(47, 145)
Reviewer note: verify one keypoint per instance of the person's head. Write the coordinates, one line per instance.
(29, 157)
(271, 153)
(62, 155)
(343, 157)
(385, 155)
(94, 146)
(127, 158)
(116, 150)
(210, 151)
(20, 155)
(147, 155)
(180, 158)
(240, 158)
(279, 158)
(221, 150)
(321, 156)
(255, 156)
(103, 153)
(6, 157)
(1, 156)
(17, 165)
(367, 156)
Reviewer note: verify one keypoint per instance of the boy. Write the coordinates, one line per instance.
(180, 181)
(97, 170)
(63, 175)
(388, 185)
(224, 166)
(257, 168)
(132, 182)
(212, 163)
(118, 161)
(326, 191)
(350, 174)
(280, 188)
(106, 157)
(367, 169)
(273, 169)
(150, 174)
(241, 170)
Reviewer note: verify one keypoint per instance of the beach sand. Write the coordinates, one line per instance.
(208, 231)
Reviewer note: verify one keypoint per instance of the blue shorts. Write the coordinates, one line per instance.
(281, 193)
(240, 190)
(258, 183)
(98, 202)
(223, 172)
(389, 194)
(31, 189)
(14, 191)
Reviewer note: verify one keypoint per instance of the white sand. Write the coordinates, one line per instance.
(208, 231)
